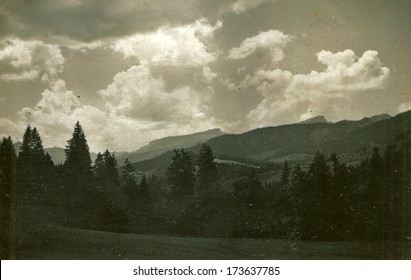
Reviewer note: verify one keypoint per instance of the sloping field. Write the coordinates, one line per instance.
(70, 243)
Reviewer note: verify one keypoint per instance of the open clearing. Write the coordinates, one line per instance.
(69, 243)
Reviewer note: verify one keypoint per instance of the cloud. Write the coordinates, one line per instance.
(292, 97)
(208, 75)
(9, 128)
(272, 40)
(59, 109)
(93, 20)
(334, 60)
(240, 6)
(182, 46)
(136, 93)
(345, 73)
(404, 107)
(138, 109)
(30, 60)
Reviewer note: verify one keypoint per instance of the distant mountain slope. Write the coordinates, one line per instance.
(160, 146)
(296, 142)
(302, 138)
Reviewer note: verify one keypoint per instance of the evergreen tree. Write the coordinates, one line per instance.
(393, 205)
(316, 199)
(338, 197)
(98, 167)
(298, 209)
(180, 174)
(34, 168)
(110, 173)
(285, 175)
(374, 195)
(284, 202)
(7, 198)
(78, 162)
(251, 207)
(130, 185)
(144, 199)
(207, 168)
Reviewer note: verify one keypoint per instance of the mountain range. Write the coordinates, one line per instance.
(297, 143)
(352, 140)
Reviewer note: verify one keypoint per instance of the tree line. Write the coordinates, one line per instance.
(327, 200)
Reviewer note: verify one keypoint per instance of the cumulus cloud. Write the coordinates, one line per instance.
(183, 46)
(30, 60)
(9, 128)
(59, 109)
(240, 6)
(291, 97)
(138, 109)
(136, 93)
(272, 40)
(345, 73)
(405, 106)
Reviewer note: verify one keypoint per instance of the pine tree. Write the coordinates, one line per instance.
(78, 162)
(110, 170)
(180, 174)
(207, 168)
(317, 219)
(338, 197)
(375, 195)
(33, 168)
(285, 175)
(98, 167)
(251, 206)
(7, 198)
(143, 195)
(130, 185)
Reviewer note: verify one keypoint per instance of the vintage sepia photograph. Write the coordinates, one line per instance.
(205, 130)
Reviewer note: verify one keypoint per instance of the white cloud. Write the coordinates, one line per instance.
(75, 44)
(208, 75)
(240, 6)
(405, 106)
(272, 40)
(138, 110)
(136, 93)
(183, 46)
(291, 97)
(22, 76)
(345, 73)
(9, 128)
(30, 60)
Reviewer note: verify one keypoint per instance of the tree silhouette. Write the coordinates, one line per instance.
(207, 169)
(180, 174)
(285, 175)
(78, 162)
(130, 185)
(7, 198)
(34, 168)
(110, 172)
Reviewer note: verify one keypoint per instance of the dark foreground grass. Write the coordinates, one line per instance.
(70, 243)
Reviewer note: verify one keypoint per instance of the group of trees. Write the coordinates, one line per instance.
(326, 200)
(7, 198)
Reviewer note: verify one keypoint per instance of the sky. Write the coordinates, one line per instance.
(134, 71)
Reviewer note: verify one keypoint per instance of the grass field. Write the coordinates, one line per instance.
(69, 243)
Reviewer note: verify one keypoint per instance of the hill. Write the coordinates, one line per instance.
(160, 146)
(298, 142)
